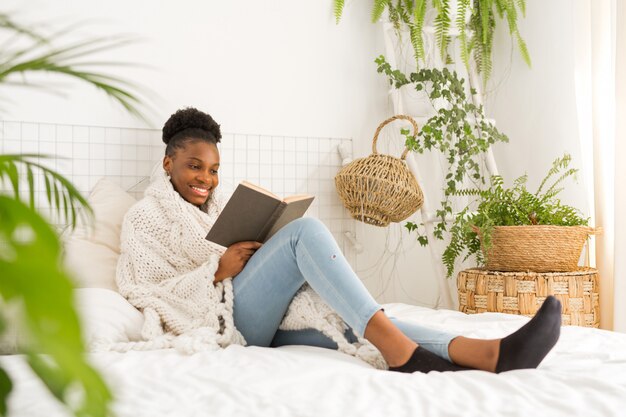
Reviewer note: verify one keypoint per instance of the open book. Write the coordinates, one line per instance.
(253, 213)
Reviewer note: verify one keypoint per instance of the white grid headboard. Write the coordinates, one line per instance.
(285, 165)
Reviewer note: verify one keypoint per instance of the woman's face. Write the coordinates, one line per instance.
(193, 170)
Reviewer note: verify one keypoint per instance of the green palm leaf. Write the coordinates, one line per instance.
(7, 23)
(17, 61)
(33, 276)
(66, 197)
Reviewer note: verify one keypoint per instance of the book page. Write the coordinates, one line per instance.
(259, 189)
(290, 199)
(297, 197)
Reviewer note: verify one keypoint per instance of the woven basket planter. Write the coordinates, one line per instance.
(380, 189)
(539, 248)
(523, 293)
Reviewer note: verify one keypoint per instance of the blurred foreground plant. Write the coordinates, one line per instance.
(32, 274)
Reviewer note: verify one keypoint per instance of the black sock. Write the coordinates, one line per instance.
(527, 347)
(425, 361)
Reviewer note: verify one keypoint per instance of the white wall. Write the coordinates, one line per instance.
(277, 67)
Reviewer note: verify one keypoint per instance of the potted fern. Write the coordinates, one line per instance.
(513, 229)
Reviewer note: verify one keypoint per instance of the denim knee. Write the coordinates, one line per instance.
(309, 224)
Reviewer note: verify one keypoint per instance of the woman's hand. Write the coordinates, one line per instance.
(235, 258)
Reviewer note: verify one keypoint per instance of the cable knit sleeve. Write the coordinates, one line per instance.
(141, 274)
(158, 277)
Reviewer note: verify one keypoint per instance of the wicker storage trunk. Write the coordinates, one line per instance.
(481, 290)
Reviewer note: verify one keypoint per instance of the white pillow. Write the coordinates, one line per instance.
(91, 251)
(106, 316)
(14, 325)
(90, 255)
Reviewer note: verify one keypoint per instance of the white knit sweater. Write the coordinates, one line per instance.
(166, 270)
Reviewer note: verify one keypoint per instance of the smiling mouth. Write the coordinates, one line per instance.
(200, 191)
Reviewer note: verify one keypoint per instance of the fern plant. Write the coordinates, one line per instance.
(442, 27)
(32, 275)
(475, 38)
(515, 206)
(482, 26)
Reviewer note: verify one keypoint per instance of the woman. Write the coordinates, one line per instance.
(194, 292)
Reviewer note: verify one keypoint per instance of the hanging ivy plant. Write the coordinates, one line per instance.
(459, 130)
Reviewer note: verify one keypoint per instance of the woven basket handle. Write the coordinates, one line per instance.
(391, 119)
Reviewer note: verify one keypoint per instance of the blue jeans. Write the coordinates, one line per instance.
(305, 251)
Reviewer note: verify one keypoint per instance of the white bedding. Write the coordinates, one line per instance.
(585, 375)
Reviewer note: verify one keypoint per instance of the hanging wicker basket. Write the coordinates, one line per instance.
(539, 248)
(380, 189)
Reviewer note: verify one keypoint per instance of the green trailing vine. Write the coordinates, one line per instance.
(459, 130)
(515, 206)
(475, 38)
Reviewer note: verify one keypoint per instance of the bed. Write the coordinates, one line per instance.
(585, 375)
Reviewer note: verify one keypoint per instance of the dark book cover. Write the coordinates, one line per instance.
(287, 213)
(253, 213)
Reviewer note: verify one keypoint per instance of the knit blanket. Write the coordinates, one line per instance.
(166, 270)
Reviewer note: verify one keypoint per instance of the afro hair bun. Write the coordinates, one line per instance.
(190, 118)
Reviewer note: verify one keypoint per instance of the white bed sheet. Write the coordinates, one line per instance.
(585, 375)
